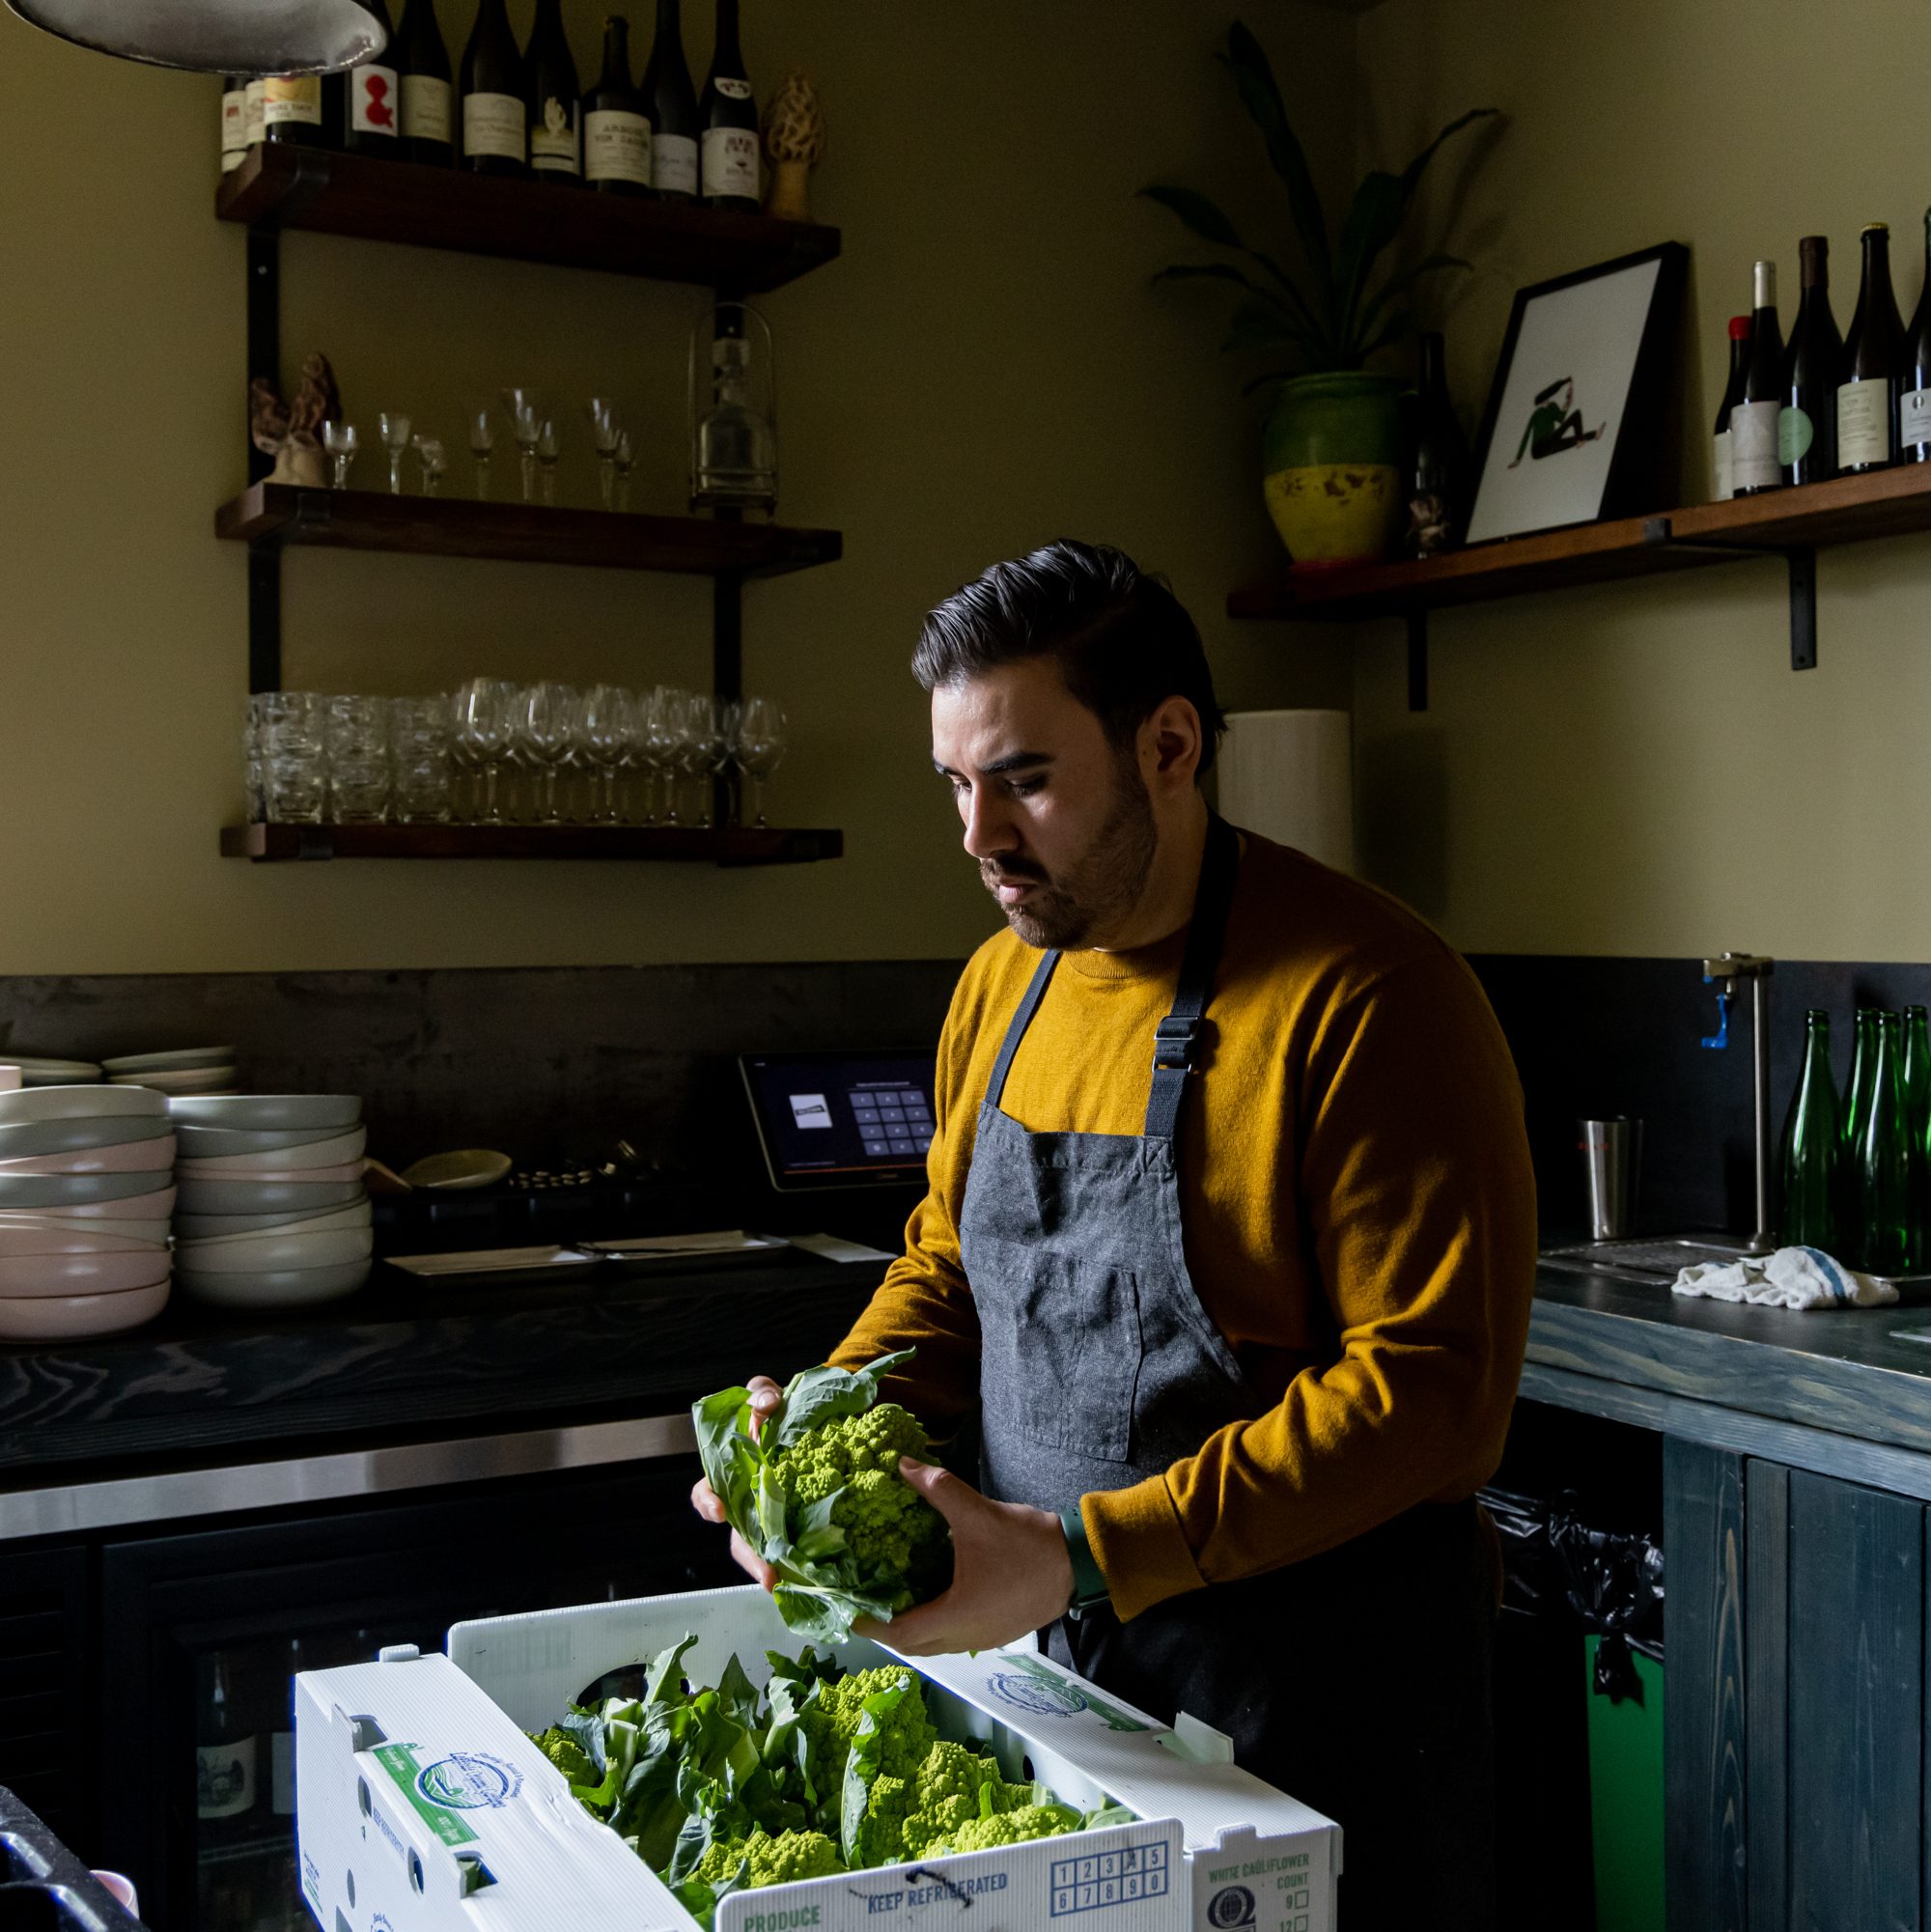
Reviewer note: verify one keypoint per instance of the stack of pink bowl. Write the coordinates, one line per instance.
(86, 1190)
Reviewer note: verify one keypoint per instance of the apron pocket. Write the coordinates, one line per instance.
(1062, 1348)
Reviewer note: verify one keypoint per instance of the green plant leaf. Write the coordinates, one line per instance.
(1260, 94)
(1199, 214)
(1260, 325)
(1398, 285)
(816, 1396)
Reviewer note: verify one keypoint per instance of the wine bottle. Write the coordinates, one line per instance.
(1812, 1150)
(671, 102)
(291, 109)
(234, 122)
(1753, 463)
(258, 88)
(1441, 469)
(371, 118)
(495, 139)
(616, 128)
(1733, 394)
(1867, 398)
(1914, 403)
(422, 59)
(1813, 366)
(551, 100)
(1914, 1072)
(729, 118)
(225, 1745)
(1884, 1167)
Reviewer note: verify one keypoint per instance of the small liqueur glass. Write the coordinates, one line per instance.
(394, 429)
(549, 450)
(341, 441)
(434, 461)
(604, 432)
(482, 441)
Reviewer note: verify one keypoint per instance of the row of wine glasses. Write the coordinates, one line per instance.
(533, 427)
(552, 753)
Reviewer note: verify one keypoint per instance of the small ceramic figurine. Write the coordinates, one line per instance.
(1430, 531)
(795, 142)
(290, 431)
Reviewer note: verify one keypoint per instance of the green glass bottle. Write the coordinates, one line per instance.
(1884, 1167)
(1811, 1167)
(1863, 1063)
(1914, 1072)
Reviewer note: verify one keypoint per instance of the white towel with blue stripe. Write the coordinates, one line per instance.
(1793, 1277)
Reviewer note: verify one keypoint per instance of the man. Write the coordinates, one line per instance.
(1228, 1246)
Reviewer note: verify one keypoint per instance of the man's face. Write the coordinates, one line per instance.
(1059, 822)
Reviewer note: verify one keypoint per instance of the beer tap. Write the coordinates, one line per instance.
(1724, 973)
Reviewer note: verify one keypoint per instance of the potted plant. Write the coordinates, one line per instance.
(1332, 441)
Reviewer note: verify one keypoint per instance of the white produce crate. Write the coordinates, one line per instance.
(423, 1808)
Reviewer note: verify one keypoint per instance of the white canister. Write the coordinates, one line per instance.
(1289, 775)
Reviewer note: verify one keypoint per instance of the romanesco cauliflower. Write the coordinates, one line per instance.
(779, 1860)
(567, 1756)
(1009, 1828)
(955, 1785)
(832, 1720)
(887, 1524)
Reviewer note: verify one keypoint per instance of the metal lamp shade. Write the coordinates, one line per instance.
(216, 36)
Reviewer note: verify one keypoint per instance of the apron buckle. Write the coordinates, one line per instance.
(1174, 1044)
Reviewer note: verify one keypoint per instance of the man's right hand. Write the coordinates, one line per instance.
(765, 1395)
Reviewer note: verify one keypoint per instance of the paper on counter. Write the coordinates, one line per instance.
(490, 1260)
(728, 1241)
(830, 1247)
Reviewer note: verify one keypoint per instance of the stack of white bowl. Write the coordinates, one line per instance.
(273, 1213)
(37, 1071)
(85, 1188)
(187, 1070)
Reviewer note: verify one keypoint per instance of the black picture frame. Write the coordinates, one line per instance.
(1633, 483)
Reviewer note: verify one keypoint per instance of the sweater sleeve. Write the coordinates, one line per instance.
(924, 1301)
(1419, 1200)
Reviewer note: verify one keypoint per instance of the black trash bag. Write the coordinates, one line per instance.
(1614, 1585)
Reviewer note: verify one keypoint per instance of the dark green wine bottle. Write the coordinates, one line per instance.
(1863, 1063)
(1884, 1167)
(1813, 1160)
(1913, 1072)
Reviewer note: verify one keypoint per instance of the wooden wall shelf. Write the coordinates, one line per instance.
(1791, 523)
(728, 846)
(286, 188)
(280, 514)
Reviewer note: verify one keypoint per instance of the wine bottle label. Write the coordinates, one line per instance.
(1914, 418)
(1795, 433)
(424, 107)
(673, 165)
(733, 89)
(373, 99)
(493, 124)
(291, 96)
(1725, 481)
(233, 129)
(1863, 422)
(616, 147)
(256, 93)
(1753, 461)
(553, 139)
(224, 1779)
(731, 161)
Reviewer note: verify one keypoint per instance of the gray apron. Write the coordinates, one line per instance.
(1356, 1680)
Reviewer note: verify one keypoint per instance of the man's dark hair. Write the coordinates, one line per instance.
(1123, 641)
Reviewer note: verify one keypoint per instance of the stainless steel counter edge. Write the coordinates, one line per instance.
(181, 1494)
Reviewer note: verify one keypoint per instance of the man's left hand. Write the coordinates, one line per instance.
(1010, 1572)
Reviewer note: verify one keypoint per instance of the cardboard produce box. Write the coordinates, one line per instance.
(423, 1808)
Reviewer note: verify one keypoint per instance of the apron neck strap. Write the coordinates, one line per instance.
(1173, 1050)
(1175, 1037)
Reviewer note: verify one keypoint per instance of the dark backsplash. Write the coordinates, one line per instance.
(548, 1062)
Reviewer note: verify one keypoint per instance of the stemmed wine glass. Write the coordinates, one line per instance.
(624, 456)
(394, 429)
(482, 441)
(483, 724)
(341, 441)
(527, 418)
(546, 721)
(605, 432)
(430, 453)
(603, 726)
(761, 748)
(549, 449)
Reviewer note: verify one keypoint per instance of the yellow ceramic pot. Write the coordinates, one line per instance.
(1332, 466)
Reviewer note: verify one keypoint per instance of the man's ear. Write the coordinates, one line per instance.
(1171, 743)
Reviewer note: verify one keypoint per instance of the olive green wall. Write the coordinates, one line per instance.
(984, 369)
(1633, 769)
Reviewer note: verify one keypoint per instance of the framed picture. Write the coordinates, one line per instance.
(1572, 429)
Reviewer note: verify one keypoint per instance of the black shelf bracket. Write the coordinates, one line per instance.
(1417, 659)
(1800, 562)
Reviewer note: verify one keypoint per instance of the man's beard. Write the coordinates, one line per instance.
(1096, 891)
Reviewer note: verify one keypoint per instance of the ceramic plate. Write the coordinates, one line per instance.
(87, 1239)
(126, 1157)
(79, 1273)
(66, 1318)
(267, 1253)
(339, 1150)
(213, 1081)
(69, 1191)
(230, 1228)
(187, 1059)
(225, 1143)
(261, 1197)
(279, 1288)
(274, 1113)
(61, 1136)
(78, 1102)
(467, 1168)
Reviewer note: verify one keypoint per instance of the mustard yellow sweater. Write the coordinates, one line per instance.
(1356, 1200)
